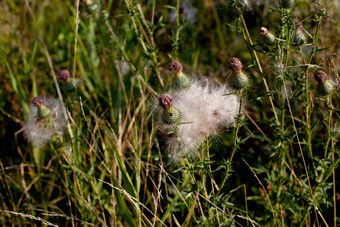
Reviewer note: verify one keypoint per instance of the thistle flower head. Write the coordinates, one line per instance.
(37, 101)
(205, 109)
(175, 67)
(165, 101)
(64, 75)
(235, 64)
(238, 79)
(40, 130)
(320, 76)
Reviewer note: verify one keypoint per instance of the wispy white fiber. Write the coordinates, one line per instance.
(206, 108)
(40, 131)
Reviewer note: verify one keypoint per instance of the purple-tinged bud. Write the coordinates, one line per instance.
(321, 77)
(165, 101)
(325, 86)
(263, 31)
(268, 36)
(175, 67)
(64, 75)
(37, 101)
(298, 36)
(235, 65)
(181, 9)
(43, 111)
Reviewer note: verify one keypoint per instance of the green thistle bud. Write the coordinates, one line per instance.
(299, 37)
(181, 80)
(325, 89)
(72, 85)
(170, 114)
(43, 111)
(267, 36)
(237, 80)
(286, 4)
(325, 86)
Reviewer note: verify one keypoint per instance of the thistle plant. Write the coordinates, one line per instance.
(216, 151)
(196, 111)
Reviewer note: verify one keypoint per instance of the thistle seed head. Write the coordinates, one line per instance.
(64, 75)
(175, 67)
(235, 64)
(37, 101)
(37, 129)
(165, 101)
(320, 76)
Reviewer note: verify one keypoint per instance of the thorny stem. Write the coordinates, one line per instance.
(139, 20)
(246, 37)
(330, 139)
(235, 145)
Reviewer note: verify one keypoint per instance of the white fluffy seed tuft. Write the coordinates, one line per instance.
(40, 131)
(206, 109)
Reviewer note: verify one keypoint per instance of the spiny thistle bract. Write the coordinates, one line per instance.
(205, 109)
(238, 79)
(45, 121)
(325, 86)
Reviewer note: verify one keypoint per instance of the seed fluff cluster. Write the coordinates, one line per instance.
(39, 130)
(205, 109)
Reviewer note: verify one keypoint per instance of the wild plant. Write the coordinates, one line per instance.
(169, 113)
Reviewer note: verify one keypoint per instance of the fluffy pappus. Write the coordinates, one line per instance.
(205, 108)
(39, 131)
